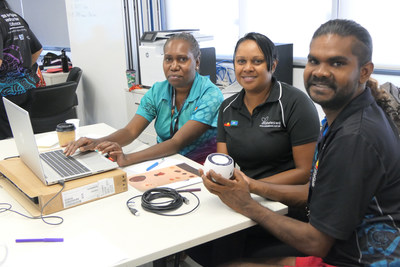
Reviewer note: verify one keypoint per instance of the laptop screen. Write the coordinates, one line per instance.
(24, 137)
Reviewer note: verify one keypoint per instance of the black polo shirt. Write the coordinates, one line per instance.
(261, 143)
(357, 176)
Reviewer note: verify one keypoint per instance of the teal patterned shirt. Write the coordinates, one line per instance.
(202, 105)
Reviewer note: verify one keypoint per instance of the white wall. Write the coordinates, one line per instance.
(298, 82)
(96, 32)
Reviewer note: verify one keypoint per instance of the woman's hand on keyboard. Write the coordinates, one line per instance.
(83, 143)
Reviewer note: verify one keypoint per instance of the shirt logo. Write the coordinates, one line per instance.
(231, 123)
(21, 37)
(266, 123)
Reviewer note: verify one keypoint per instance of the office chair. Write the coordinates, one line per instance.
(75, 76)
(55, 103)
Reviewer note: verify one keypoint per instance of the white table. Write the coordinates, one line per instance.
(105, 233)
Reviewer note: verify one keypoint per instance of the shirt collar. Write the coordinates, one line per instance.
(274, 95)
(167, 94)
(363, 100)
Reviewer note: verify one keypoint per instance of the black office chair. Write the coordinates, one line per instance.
(75, 75)
(55, 103)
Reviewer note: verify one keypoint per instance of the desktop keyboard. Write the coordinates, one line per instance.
(65, 166)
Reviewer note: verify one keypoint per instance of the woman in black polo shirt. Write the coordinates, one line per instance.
(269, 128)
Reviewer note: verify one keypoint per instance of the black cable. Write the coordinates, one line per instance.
(43, 218)
(175, 201)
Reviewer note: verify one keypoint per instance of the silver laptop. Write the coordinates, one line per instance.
(53, 166)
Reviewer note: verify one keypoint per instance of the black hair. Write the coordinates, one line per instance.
(345, 28)
(195, 49)
(264, 43)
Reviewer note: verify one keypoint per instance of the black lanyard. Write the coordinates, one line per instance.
(173, 128)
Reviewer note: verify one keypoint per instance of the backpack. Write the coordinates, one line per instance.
(52, 63)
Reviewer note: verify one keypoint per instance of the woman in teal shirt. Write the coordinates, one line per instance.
(185, 107)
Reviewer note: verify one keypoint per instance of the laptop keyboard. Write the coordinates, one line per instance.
(65, 166)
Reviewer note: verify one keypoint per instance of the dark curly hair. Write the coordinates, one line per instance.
(386, 101)
(194, 45)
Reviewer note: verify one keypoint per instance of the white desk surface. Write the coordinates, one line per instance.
(105, 233)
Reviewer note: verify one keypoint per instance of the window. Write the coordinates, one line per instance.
(229, 20)
(287, 21)
(381, 19)
(218, 18)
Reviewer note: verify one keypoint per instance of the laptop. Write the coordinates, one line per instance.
(53, 166)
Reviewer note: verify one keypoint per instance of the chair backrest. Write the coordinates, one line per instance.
(53, 99)
(74, 75)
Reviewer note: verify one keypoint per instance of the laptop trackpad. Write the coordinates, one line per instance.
(95, 161)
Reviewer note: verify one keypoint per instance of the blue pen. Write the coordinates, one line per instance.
(27, 240)
(154, 165)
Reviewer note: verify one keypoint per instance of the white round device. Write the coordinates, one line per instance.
(220, 163)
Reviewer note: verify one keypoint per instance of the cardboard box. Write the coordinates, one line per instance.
(33, 195)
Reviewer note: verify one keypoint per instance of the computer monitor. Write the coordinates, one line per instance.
(284, 70)
(208, 63)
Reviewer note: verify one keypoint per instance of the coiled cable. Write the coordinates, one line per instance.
(171, 200)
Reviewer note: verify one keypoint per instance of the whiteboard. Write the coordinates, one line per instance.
(97, 37)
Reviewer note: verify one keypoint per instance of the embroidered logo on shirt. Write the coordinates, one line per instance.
(231, 123)
(266, 123)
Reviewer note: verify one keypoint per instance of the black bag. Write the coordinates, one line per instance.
(52, 62)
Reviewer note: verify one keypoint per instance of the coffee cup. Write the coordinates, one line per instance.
(66, 133)
(75, 122)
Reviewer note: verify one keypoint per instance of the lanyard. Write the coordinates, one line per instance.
(173, 128)
(314, 170)
(325, 126)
